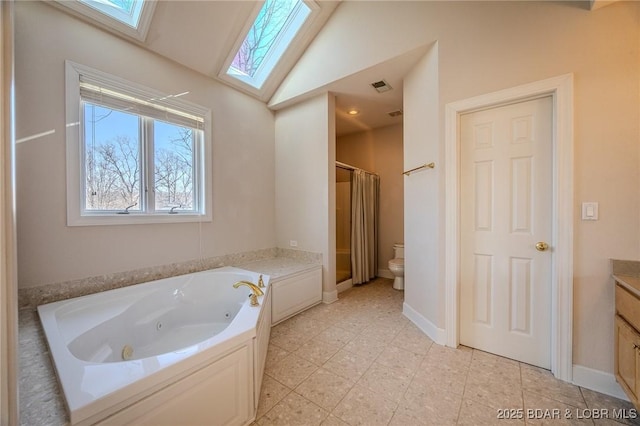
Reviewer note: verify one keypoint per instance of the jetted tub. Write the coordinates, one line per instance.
(183, 350)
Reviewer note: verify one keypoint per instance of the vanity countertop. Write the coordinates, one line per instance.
(631, 283)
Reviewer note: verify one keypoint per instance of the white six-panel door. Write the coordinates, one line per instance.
(505, 230)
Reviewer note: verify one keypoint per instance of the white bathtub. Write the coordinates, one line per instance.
(156, 352)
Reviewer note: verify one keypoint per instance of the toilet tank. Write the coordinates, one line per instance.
(398, 251)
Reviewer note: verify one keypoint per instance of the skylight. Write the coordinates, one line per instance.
(129, 17)
(126, 11)
(274, 28)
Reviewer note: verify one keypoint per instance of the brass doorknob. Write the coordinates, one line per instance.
(542, 246)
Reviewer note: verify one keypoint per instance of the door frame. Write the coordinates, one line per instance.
(561, 90)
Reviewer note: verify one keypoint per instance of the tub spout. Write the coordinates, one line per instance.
(255, 291)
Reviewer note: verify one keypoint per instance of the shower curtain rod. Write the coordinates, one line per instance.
(349, 167)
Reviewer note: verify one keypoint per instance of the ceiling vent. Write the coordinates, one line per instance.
(381, 86)
(396, 113)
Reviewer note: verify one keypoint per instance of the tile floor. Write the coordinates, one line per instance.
(359, 361)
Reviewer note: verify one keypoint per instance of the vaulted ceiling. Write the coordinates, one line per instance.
(201, 34)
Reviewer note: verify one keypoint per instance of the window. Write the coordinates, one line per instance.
(126, 11)
(273, 30)
(133, 155)
(130, 17)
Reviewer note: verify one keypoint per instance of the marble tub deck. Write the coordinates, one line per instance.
(359, 361)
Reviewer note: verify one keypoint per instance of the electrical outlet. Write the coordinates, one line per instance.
(293, 243)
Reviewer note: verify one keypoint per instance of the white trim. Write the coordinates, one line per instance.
(561, 89)
(320, 11)
(74, 161)
(598, 381)
(109, 22)
(385, 273)
(329, 296)
(344, 285)
(9, 410)
(436, 334)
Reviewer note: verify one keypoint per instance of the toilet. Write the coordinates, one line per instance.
(396, 266)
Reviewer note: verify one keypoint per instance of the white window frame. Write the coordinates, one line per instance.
(76, 214)
(281, 57)
(112, 19)
(295, 24)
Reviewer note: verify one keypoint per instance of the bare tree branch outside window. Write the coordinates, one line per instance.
(174, 172)
(262, 35)
(113, 162)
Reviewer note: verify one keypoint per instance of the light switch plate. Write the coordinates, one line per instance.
(590, 210)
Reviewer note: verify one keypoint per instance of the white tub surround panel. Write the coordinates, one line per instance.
(296, 293)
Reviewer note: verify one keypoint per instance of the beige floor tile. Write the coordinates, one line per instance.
(493, 391)
(405, 417)
(475, 414)
(490, 360)
(431, 406)
(308, 326)
(412, 341)
(392, 321)
(504, 373)
(458, 358)
(432, 377)
(291, 370)
(336, 336)
(317, 351)
(389, 382)
(350, 365)
(540, 410)
(275, 354)
(332, 420)
(290, 340)
(324, 388)
(293, 410)
(380, 332)
(354, 322)
(393, 356)
(271, 393)
(502, 368)
(320, 312)
(542, 382)
(362, 406)
(618, 410)
(427, 380)
(366, 345)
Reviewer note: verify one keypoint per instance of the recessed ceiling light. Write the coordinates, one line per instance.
(353, 111)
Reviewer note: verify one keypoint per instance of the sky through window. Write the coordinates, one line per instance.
(274, 28)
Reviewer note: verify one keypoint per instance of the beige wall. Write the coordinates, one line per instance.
(380, 151)
(243, 158)
(305, 164)
(484, 47)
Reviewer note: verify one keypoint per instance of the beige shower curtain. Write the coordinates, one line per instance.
(365, 188)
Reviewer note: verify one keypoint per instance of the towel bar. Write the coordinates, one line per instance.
(424, 166)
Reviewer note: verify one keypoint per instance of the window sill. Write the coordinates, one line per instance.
(135, 219)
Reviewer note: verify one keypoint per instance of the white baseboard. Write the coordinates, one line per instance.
(344, 285)
(385, 273)
(598, 381)
(329, 296)
(436, 334)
